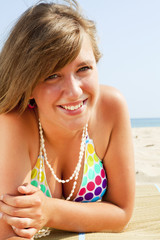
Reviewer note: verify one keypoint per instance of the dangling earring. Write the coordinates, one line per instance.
(31, 103)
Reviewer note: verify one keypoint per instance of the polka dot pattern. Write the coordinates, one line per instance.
(35, 179)
(94, 182)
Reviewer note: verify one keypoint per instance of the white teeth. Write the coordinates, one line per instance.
(73, 107)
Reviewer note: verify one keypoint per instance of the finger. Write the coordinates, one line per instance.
(27, 189)
(21, 201)
(20, 212)
(18, 222)
(27, 233)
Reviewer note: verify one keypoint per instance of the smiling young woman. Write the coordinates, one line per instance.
(68, 96)
(67, 159)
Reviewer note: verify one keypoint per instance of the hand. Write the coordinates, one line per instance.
(26, 213)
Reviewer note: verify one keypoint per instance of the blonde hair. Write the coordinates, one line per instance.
(46, 38)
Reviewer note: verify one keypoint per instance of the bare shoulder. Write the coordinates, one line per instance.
(13, 134)
(14, 118)
(111, 97)
(13, 124)
(12, 131)
(10, 123)
(112, 103)
(15, 160)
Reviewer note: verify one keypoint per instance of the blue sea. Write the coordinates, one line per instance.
(145, 122)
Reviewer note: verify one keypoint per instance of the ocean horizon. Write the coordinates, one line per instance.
(145, 122)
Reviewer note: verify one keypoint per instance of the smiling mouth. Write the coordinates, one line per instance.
(71, 107)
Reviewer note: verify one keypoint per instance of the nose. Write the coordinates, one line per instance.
(72, 88)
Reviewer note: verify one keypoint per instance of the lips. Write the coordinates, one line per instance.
(73, 106)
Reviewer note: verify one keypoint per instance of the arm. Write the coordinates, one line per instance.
(14, 162)
(116, 209)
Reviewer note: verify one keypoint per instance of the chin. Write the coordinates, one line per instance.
(76, 124)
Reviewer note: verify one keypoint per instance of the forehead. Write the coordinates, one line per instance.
(86, 51)
(86, 48)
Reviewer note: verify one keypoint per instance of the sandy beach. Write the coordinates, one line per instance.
(147, 154)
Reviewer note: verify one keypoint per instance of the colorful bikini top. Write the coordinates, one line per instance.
(94, 180)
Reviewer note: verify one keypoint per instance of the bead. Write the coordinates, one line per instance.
(42, 233)
(75, 183)
(77, 169)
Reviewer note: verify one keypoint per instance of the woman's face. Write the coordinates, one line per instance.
(67, 97)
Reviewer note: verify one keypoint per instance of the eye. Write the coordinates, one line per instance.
(51, 77)
(83, 69)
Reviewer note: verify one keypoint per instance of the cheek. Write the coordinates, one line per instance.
(92, 84)
(46, 94)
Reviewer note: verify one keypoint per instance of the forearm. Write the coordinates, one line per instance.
(86, 217)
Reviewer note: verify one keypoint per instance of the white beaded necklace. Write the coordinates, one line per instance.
(78, 167)
(46, 231)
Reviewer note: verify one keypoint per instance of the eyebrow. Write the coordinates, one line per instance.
(87, 62)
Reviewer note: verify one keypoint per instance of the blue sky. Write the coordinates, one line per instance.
(129, 38)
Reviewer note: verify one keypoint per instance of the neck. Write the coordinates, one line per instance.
(59, 136)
